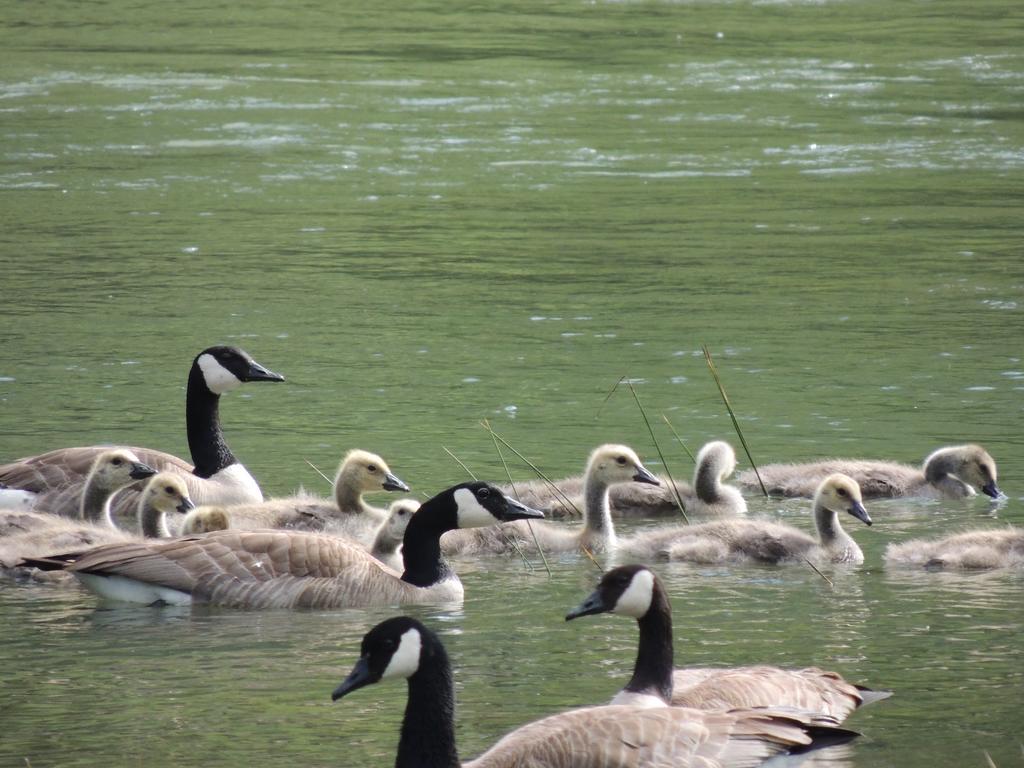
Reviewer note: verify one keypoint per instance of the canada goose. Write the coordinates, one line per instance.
(387, 543)
(970, 550)
(948, 473)
(634, 590)
(165, 493)
(761, 540)
(348, 515)
(610, 736)
(204, 520)
(608, 465)
(111, 470)
(217, 478)
(291, 569)
(709, 495)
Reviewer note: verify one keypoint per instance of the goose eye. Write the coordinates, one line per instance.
(841, 491)
(117, 462)
(169, 488)
(483, 493)
(621, 461)
(372, 468)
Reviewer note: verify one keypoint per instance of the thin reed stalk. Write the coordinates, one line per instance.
(317, 470)
(679, 439)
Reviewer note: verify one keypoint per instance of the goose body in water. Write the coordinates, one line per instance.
(969, 550)
(58, 477)
(762, 541)
(609, 736)
(709, 495)
(291, 569)
(634, 590)
(953, 472)
(608, 466)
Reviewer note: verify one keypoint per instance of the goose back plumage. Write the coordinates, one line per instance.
(952, 472)
(291, 569)
(609, 736)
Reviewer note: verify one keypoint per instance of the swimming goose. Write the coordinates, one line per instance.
(634, 590)
(204, 520)
(111, 471)
(348, 515)
(610, 736)
(387, 544)
(970, 550)
(709, 494)
(291, 569)
(763, 541)
(164, 494)
(608, 465)
(217, 477)
(948, 473)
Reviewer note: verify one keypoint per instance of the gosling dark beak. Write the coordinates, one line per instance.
(140, 471)
(991, 489)
(393, 483)
(357, 678)
(643, 476)
(187, 505)
(858, 511)
(518, 511)
(592, 605)
(257, 372)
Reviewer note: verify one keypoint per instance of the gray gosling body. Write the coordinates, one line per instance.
(634, 590)
(762, 541)
(610, 736)
(291, 569)
(58, 476)
(608, 465)
(347, 515)
(953, 472)
(387, 543)
(969, 550)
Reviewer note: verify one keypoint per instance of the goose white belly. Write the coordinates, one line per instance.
(232, 485)
(13, 498)
(125, 590)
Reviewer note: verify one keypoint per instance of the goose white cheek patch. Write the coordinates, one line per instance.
(636, 600)
(471, 513)
(218, 378)
(406, 660)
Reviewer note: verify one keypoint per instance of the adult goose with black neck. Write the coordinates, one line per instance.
(57, 477)
(292, 569)
(634, 590)
(609, 736)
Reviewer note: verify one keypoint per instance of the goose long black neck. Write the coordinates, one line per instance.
(210, 452)
(421, 546)
(652, 673)
(428, 728)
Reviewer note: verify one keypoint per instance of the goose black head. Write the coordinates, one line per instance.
(476, 504)
(393, 648)
(627, 590)
(224, 368)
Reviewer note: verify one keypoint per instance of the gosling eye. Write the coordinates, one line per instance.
(621, 461)
(371, 468)
(169, 488)
(841, 491)
(117, 462)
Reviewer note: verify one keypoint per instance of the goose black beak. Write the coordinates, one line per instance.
(592, 605)
(518, 511)
(991, 489)
(257, 372)
(643, 476)
(187, 505)
(393, 483)
(858, 511)
(140, 471)
(359, 676)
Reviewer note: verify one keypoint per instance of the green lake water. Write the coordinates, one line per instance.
(428, 215)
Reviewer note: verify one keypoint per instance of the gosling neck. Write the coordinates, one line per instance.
(95, 505)
(210, 452)
(707, 482)
(830, 532)
(348, 496)
(939, 472)
(597, 515)
(152, 522)
(428, 728)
